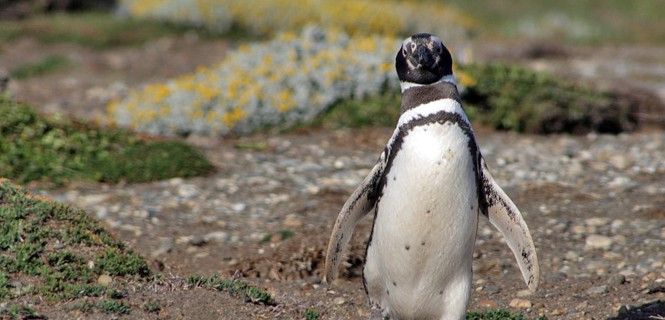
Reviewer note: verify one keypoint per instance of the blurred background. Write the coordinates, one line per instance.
(219, 138)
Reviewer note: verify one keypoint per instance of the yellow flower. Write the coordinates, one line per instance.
(232, 117)
(284, 101)
(157, 92)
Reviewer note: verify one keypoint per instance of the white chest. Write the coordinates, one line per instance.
(426, 220)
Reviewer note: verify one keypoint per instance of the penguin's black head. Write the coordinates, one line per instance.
(423, 59)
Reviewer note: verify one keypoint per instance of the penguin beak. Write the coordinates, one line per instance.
(422, 57)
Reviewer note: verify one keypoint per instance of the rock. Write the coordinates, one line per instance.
(239, 207)
(596, 241)
(577, 229)
(557, 312)
(197, 241)
(616, 280)
(571, 256)
(524, 293)
(93, 199)
(620, 182)
(216, 236)
(339, 301)
(518, 303)
(188, 191)
(292, 221)
(599, 290)
(492, 289)
(596, 222)
(620, 161)
(489, 304)
(104, 280)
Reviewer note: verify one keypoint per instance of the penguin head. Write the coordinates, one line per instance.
(423, 59)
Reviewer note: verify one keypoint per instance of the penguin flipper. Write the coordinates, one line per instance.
(505, 216)
(360, 203)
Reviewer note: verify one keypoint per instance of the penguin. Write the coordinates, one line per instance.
(426, 193)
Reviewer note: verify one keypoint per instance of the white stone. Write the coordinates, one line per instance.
(596, 241)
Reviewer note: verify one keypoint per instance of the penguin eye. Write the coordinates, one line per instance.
(413, 46)
(403, 51)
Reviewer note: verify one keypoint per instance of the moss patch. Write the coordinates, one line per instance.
(36, 148)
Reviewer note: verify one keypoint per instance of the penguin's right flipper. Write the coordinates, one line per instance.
(360, 203)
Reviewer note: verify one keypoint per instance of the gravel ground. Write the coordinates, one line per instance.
(595, 205)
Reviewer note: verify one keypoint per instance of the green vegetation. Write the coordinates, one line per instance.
(380, 110)
(497, 314)
(152, 307)
(507, 97)
(38, 251)
(117, 263)
(113, 307)
(16, 312)
(514, 98)
(92, 29)
(234, 287)
(47, 65)
(105, 306)
(311, 314)
(589, 21)
(36, 148)
(286, 234)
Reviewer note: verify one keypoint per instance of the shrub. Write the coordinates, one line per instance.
(281, 82)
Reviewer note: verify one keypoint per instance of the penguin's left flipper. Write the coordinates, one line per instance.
(360, 203)
(504, 215)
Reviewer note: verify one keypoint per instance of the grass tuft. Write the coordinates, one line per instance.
(113, 307)
(119, 263)
(311, 314)
(235, 287)
(57, 151)
(16, 312)
(498, 314)
(152, 307)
